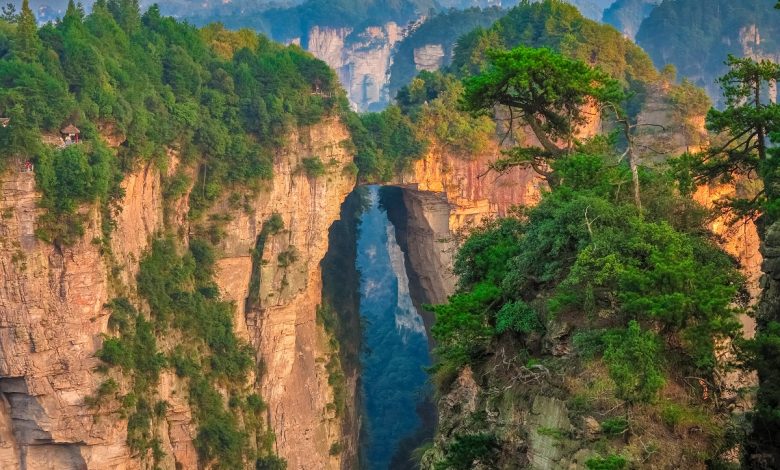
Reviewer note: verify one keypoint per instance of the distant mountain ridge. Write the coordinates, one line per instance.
(696, 36)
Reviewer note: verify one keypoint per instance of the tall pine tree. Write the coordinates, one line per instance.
(27, 44)
(749, 123)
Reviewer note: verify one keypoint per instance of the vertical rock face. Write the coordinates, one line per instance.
(770, 282)
(750, 39)
(282, 326)
(51, 319)
(429, 57)
(362, 60)
(52, 315)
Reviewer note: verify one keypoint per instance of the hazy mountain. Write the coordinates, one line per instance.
(696, 36)
(48, 10)
(627, 15)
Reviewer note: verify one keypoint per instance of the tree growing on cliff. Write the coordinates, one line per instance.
(747, 126)
(546, 91)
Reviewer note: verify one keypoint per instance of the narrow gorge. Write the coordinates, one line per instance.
(491, 238)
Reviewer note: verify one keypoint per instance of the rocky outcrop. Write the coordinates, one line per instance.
(361, 59)
(770, 282)
(429, 57)
(282, 326)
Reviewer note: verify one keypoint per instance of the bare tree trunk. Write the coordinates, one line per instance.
(632, 163)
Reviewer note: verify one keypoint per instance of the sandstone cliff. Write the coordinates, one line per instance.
(361, 59)
(53, 316)
(282, 326)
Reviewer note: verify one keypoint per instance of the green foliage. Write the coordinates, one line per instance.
(135, 352)
(270, 463)
(271, 227)
(555, 433)
(748, 120)
(518, 317)
(467, 450)
(180, 293)
(386, 143)
(614, 426)
(585, 252)
(611, 462)
(462, 331)
(220, 439)
(433, 101)
(287, 257)
(329, 319)
(336, 448)
(547, 90)
(69, 177)
(747, 124)
(224, 99)
(762, 354)
(675, 414)
(166, 281)
(487, 252)
(313, 167)
(633, 359)
(559, 26)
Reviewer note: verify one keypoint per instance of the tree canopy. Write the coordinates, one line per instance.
(547, 91)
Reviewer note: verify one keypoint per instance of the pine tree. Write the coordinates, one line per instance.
(9, 13)
(127, 14)
(749, 123)
(27, 44)
(74, 14)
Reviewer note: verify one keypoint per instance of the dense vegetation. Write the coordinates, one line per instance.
(695, 36)
(184, 304)
(649, 295)
(561, 27)
(222, 100)
(653, 300)
(586, 250)
(749, 130)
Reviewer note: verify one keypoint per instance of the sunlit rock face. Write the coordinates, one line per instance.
(53, 316)
(429, 57)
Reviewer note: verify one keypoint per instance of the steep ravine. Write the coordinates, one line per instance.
(53, 316)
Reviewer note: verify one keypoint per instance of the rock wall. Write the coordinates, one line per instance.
(429, 57)
(51, 300)
(283, 326)
(361, 59)
(52, 315)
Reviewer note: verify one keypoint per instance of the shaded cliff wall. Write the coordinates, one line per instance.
(341, 291)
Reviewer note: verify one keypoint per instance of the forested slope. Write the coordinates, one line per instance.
(696, 36)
